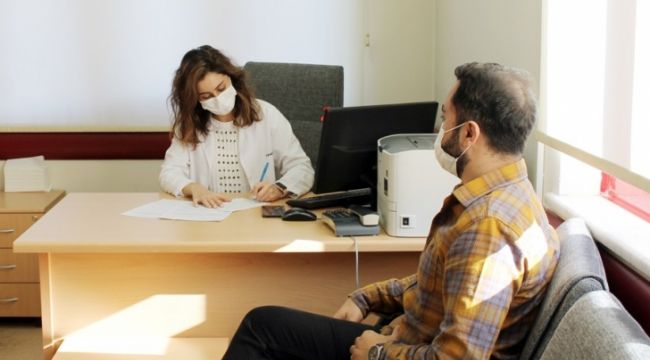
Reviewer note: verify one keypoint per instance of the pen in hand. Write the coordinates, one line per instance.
(266, 167)
(257, 187)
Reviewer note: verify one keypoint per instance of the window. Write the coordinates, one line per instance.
(594, 131)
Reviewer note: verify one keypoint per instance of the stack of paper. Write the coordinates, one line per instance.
(26, 174)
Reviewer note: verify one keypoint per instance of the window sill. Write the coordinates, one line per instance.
(623, 233)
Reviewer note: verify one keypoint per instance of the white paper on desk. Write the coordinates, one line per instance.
(238, 204)
(185, 210)
(178, 210)
(151, 210)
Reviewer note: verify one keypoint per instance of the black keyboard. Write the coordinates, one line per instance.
(342, 198)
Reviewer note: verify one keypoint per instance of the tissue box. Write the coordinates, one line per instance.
(26, 174)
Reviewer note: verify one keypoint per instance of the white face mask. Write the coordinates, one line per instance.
(221, 104)
(445, 160)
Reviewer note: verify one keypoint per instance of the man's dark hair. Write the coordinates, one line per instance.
(500, 100)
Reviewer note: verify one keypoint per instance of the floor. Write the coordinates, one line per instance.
(20, 339)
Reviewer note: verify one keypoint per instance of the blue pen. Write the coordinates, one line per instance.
(266, 167)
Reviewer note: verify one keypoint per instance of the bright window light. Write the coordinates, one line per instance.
(640, 143)
(595, 108)
(576, 69)
(576, 86)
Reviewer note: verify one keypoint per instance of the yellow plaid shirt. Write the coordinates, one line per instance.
(483, 272)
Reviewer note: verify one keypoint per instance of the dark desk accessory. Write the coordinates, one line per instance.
(341, 198)
(272, 211)
(345, 222)
(298, 214)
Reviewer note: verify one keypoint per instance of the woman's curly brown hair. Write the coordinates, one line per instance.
(190, 119)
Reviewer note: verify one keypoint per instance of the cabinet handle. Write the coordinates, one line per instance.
(7, 231)
(9, 300)
(7, 267)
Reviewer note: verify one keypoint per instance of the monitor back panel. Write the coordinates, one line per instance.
(348, 149)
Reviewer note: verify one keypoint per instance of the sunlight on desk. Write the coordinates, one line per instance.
(300, 245)
(157, 316)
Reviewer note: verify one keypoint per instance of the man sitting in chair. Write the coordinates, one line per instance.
(487, 262)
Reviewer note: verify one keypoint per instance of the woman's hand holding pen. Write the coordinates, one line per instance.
(201, 195)
(265, 191)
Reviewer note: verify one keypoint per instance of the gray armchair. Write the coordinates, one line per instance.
(299, 91)
(597, 326)
(579, 271)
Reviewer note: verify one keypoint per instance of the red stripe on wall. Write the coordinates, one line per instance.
(85, 146)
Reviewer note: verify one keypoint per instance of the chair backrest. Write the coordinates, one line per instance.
(598, 327)
(579, 271)
(300, 92)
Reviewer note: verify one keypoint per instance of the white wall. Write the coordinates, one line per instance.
(503, 31)
(414, 47)
(399, 63)
(80, 64)
(107, 64)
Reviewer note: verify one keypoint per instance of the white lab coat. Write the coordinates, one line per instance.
(269, 140)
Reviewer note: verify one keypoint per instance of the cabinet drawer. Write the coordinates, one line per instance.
(21, 268)
(20, 300)
(12, 225)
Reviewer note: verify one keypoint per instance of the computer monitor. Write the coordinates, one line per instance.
(347, 157)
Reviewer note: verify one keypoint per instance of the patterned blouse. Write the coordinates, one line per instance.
(230, 173)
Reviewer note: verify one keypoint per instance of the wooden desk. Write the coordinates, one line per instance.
(108, 275)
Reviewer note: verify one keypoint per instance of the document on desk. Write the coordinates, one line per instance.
(238, 204)
(185, 210)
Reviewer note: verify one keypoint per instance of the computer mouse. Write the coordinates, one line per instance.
(298, 214)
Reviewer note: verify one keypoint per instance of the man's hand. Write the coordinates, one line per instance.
(359, 351)
(349, 311)
(201, 195)
(265, 191)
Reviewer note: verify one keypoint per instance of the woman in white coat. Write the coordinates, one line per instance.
(224, 141)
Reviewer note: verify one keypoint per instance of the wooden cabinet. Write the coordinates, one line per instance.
(19, 288)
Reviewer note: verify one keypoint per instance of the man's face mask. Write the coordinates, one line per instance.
(447, 161)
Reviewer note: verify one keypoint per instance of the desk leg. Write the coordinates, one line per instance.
(49, 344)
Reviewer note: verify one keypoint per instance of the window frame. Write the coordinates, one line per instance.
(619, 222)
